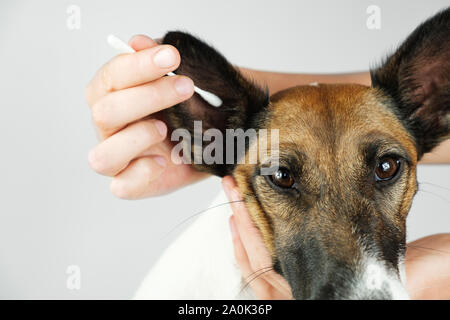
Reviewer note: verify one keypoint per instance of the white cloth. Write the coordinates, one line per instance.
(200, 263)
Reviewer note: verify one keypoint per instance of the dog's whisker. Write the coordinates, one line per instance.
(434, 185)
(195, 215)
(419, 258)
(436, 195)
(255, 272)
(432, 286)
(427, 248)
(254, 278)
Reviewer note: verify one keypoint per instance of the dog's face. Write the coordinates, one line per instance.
(332, 212)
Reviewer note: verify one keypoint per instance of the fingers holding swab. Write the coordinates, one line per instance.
(122, 47)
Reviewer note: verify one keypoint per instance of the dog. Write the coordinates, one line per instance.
(332, 212)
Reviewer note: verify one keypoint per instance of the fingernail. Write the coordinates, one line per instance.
(184, 86)
(91, 156)
(226, 188)
(118, 188)
(232, 193)
(164, 58)
(233, 229)
(160, 160)
(161, 127)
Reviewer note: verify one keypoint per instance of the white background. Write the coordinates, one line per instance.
(55, 212)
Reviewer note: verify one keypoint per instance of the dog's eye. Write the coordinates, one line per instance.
(386, 169)
(283, 178)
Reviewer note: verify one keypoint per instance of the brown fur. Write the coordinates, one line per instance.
(328, 123)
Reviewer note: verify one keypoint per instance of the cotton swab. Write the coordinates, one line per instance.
(121, 46)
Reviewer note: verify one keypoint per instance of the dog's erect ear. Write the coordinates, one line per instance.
(210, 71)
(417, 77)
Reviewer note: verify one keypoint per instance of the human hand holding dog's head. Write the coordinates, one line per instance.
(250, 251)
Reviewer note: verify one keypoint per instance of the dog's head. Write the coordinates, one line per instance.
(332, 211)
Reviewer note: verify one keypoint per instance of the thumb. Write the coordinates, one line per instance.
(141, 42)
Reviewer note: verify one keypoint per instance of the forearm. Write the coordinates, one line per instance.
(440, 154)
(277, 81)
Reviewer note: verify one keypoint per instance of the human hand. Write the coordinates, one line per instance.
(125, 96)
(250, 251)
(427, 265)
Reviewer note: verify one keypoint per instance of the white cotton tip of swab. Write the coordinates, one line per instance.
(119, 45)
(122, 47)
(209, 97)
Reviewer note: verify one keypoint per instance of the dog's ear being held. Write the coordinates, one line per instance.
(417, 78)
(210, 71)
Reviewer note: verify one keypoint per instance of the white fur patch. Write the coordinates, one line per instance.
(199, 264)
(378, 280)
